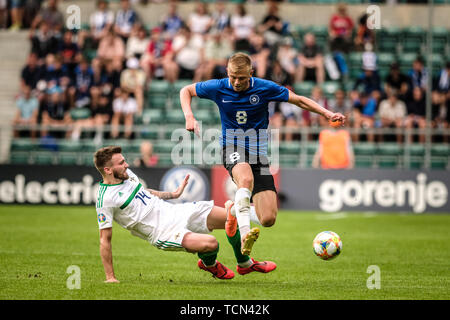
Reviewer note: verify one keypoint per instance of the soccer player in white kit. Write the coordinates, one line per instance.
(167, 226)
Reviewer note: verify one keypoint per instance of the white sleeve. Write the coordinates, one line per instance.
(105, 217)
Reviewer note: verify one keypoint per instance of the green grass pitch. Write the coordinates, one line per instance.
(39, 243)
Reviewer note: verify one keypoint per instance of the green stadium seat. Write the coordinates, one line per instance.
(89, 146)
(19, 158)
(329, 88)
(364, 149)
(165, 160)
(43, 158)
(178, 85)
(289, 161)
(387, 162)
(363, 162)
(80, 113)
(205, 116)
(156, 102)
(355, 60)
(204, 104)
(311, 148)
(303, 88)
(290, 148)
(175, 116)
(67, 158)
(440, 150)
(406, 60)
(70, 146)
(149, 133)
(155, 116)
(439, 163)
(416, 150)
(164, 146)
(415, 162)
(159, 87)
(23, 145)
(87, 159)
(389, 149)
(385, 59)
(389, 38)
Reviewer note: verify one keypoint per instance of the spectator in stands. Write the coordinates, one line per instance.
(369, 79)
(27, 112)
(340, 103)
(272, 26)
(54, 74)
(132, 80)
(126, 17)
(418, 74)
(32, 8)
(243, 25)
(311, 66)
(32, 72)
(398, 81)
(101, 115)
(79, 92)
(439, 112)
(364, 110)
(188, 51)
(443, 81)
(51, 15)
(285, 115)
(416, 113)
(200, 20)
(392, 112)
(312, 119)
(287, 56)
(3, 14)
(68, 50)
(55, 113)
(340, 30)
(111, 49)
(364, 35)
(218, 49)
(157, 61)
(278, 74)
(43, 41)
(172, 22)
(17, 10)
(221, 18)
(137, 44)
(124, 108)
(335, 150)
(259, 52)
(147, 158)
(101, 20)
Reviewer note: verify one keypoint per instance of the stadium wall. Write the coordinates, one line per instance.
(323, 190)
(399, 15)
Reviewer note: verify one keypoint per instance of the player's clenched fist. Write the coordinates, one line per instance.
(192, 125)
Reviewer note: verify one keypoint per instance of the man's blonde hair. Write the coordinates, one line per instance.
(240, 61)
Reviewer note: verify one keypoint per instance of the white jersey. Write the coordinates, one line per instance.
(128, 203)
(147, 216)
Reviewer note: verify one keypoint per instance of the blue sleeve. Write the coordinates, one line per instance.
(207, 89)
(277, 92)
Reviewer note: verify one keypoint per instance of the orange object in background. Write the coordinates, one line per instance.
(335, 153)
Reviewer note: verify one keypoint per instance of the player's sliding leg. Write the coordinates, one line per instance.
(245, 263)
(207, 247)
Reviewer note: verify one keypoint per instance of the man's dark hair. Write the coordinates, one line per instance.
(104, 155)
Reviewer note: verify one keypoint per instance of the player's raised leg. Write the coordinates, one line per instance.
(245, 263)
(243, 176)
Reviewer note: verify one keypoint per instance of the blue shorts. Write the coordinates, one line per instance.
(17, 4)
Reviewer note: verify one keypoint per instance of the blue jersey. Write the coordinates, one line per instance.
(244, 115)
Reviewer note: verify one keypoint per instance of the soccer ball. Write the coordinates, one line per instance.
(327, 245)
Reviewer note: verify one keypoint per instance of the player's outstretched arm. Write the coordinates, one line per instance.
(165, 195)
(106, 254)
(186, 95)
(311, 105)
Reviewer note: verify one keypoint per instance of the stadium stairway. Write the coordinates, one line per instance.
(15, 47)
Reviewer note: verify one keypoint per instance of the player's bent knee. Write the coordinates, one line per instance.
(210, 244)
(268, 221)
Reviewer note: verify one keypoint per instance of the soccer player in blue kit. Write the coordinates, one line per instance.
(243, 104)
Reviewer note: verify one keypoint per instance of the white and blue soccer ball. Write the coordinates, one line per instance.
(327, 245)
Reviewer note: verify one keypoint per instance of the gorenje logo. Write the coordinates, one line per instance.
(417, 195)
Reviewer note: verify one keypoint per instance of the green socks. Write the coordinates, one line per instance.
(235, 242)
(209, 258)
